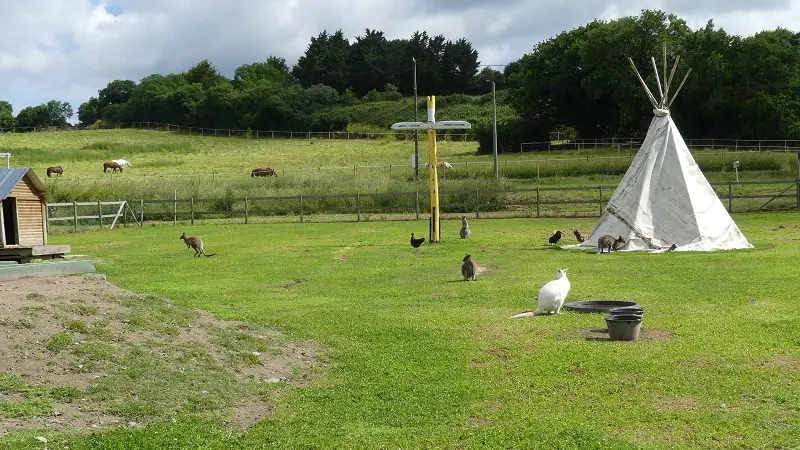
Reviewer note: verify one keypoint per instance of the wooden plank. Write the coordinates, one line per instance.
(29, 216)
(40, 250)
(24, 191)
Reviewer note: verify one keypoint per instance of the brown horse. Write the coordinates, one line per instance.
(54, 170)
(263, 172)
(111, 165)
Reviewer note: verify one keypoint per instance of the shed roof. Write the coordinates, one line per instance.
(10, 177)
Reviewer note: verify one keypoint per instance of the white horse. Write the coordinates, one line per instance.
(441, 164)
(122, 162)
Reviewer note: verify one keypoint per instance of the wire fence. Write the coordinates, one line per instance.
(787, 145)
(539, 202)
(783, 145)
(441, 135)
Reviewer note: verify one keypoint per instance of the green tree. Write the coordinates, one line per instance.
(273, 69)
(167, 99)
(7, 115)
(368, 62)
(204, 74)
(89, 111)
(325, 62)
(50, 114)
(116, 92)
(459, 65)
(428, 52)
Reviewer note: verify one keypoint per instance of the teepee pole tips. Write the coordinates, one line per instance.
(679, 87)
(644, 85)
(669, 81)
(658, 81)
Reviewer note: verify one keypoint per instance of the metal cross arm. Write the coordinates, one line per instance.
(443, 125)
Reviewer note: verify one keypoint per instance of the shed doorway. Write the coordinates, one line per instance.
(10, 221)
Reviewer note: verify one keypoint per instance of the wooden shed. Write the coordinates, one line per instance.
(23, 214)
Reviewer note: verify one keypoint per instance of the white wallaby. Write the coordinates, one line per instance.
(553, 294)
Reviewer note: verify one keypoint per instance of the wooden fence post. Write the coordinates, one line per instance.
(100, 213)
(477, 204)
(538, 210)
(358, 207)
(75, 214)
(141, 203)
(601, 200)
(301, 208)
(730, 197)
(417, 204)
(192, 209)
(798, 192)
(245, 210)
(175, 209)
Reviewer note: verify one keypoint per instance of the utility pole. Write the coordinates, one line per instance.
(416, 132)
(494, 133)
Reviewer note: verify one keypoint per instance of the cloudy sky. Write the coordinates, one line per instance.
(69, 49)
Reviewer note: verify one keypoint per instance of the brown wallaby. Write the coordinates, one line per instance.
(608, 242)
(469, 269)
(196, 243)
(464, 228)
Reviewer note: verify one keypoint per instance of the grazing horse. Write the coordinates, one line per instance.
(122, 162)
(441, 165)
(263, 172)
(54, 170)
(111, 165)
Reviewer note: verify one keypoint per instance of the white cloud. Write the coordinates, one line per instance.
(68, 49)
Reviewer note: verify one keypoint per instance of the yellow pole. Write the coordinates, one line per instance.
(433, 174)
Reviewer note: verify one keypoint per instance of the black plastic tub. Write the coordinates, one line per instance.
(637, 310)
(624, 327)
(599, 306)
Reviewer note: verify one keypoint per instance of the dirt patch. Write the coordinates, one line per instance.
(500, 353)
(676, 403)
(290, 284)
(785, 361)
(645, 334)
(79, 353)
(485, 270)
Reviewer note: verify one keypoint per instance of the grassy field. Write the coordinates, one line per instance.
(420, 359)
(207, 167)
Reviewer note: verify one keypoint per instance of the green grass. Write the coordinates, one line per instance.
(34, 401)
(419, 359)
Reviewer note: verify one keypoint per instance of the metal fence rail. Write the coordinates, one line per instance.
(574, 144)
(539, 202)
(785, 145)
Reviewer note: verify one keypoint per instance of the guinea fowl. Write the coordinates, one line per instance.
(416, 242)
(555, 237)
(579, 236)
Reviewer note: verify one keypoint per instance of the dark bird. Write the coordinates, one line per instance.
(416, 242)
(555, 237)
(579, 236)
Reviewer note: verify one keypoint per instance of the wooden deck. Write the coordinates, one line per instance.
(24, 254)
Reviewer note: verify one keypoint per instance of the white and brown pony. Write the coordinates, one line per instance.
(111, 165)
(122, 162)
(54, 170)
(263, 172)
(441, 165)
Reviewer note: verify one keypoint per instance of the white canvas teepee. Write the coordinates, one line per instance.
(664, 198)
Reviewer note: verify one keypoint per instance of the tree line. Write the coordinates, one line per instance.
(578, 83)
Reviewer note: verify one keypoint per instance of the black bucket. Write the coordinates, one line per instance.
(624, 310)
(624, 327)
